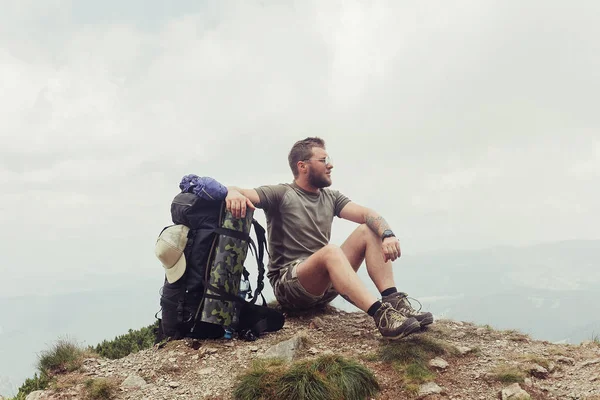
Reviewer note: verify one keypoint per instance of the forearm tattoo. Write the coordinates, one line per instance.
(377, 224)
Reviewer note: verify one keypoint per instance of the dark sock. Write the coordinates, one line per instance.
(389, 291)
(373, 309)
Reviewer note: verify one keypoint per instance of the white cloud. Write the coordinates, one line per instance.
(464, 126)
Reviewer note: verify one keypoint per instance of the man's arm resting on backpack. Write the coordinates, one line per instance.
(238, 199)
(390, 246)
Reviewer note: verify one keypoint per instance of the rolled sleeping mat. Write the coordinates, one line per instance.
(223, 283)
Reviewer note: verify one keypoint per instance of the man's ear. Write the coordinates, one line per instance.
(301, 166)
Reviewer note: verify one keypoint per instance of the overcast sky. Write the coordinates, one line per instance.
(466, 126)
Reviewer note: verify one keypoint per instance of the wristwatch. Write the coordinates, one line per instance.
(387, 233)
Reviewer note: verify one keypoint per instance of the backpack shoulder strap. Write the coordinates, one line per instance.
(262, 245)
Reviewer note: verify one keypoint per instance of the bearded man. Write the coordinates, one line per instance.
(304, 269)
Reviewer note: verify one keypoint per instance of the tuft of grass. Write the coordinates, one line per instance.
(413, 375)
(63, 356)
(302, 382)
(534, 358)
(261, 381)
(409, 358)
(559, 351)
(100, 389)
(516, 336)
(327, 377)
(351, 379)
(507, 374)
(595, 338)
(416, 349)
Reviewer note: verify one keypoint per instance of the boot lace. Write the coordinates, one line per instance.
(390, 315)
(407, 304)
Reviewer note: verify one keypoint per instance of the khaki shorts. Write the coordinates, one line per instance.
(290, 293)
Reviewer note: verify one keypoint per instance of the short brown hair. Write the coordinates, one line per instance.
(302, 150)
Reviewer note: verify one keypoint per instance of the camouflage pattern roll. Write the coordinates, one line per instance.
(226, 272)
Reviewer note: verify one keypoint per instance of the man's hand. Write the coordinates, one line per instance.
(236, 203)
(391, 249)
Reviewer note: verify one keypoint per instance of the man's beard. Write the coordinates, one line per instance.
(318, 181)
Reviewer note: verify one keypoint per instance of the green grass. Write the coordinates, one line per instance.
(595, 338)
(63, 356)
(543, 362)
(100, 389)
(507, 374)
(416, 349)
(38, 382)
(327, 377)
(261, 381)
(409, 358)
(131, 342)
(66, 356)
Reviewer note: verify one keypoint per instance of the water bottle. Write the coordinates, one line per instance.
(244, 288)
(242, 293)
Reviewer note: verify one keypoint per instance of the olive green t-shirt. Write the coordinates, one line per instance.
(298, 222)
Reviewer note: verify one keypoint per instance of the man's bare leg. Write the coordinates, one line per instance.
(330, 265)
(363, 245)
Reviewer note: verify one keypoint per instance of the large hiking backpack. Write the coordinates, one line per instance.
(206, 300)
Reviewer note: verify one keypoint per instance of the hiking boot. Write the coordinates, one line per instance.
(392, 324)
(400, 303)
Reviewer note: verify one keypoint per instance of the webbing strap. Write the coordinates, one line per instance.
(233, 233)
(261, 239)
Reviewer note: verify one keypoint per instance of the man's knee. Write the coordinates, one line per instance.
(365, 233)
(332, 253)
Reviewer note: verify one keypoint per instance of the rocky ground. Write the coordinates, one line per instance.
(207, 369)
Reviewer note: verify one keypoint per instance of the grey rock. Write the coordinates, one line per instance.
(462, 350)
(317, 323)
(514, 392)
(539, 372)
(313, 350)
(206, 371)
(428, 389)
(285, 350)
(590, 362)
(133, 381)
(173, 384)
(438, 363)
(565, 360)
(36, 395)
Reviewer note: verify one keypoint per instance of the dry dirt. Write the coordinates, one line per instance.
(207, 369)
